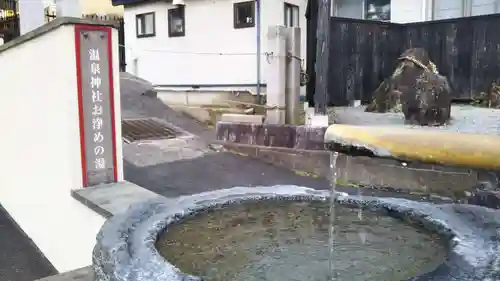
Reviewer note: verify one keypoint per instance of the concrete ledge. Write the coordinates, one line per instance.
(287, 136)
(110, 199)
(242, 118)
(81, 274)
(51, 26)
(383, 174)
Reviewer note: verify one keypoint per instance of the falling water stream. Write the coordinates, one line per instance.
(287, 240)
(331, 230)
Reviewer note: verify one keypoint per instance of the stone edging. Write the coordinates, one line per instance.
(272, 135)
(125, 249)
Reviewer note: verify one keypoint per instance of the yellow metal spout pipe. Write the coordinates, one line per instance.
(419, 145)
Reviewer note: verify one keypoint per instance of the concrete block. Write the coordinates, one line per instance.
(242, 118)
(316, 120)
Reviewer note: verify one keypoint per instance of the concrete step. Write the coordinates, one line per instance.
(81, 274)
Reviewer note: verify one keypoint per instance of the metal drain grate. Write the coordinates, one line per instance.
(145, 129)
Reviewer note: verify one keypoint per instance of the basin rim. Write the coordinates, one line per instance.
(125, 248)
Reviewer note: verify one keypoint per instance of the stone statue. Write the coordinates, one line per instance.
(416, 89)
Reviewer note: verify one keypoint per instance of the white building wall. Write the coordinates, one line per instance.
(273, 14)
(41, 156)
(33, 15)
(194, 59)
(406, 11)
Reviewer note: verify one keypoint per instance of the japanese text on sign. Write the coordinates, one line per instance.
(96, 105)
(97, 108)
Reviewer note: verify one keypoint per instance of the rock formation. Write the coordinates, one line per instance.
(416, 89)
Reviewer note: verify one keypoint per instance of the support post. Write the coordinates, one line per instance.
(276, 97)
(32, 15)
(322, 57)
(293, 75)
(259, 48)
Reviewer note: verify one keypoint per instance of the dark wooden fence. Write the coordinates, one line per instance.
(466, 50)
(362, 53)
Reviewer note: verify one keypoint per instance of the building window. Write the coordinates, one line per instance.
(448, 9)
(177, 22)
(378, 10)
(463, 8)
(291, 15)
(145, 25)
(244, 14)
(353, 9)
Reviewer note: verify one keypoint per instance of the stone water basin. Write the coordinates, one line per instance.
(284, 240)
(281, 232)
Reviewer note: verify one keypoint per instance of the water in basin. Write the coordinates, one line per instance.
(289, 240)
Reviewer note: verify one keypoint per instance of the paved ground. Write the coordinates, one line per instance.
(211, 171)
(154, 166)
(20, 260)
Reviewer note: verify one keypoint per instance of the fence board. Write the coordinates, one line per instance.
(362, 55)
(323, 37)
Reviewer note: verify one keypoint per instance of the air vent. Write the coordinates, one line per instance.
(145, 129)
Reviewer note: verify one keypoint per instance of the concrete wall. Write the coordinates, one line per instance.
(405, 11)
(193, 59)
(100, 7)
(40, 144)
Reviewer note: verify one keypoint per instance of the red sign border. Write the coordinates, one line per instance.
(78, 29)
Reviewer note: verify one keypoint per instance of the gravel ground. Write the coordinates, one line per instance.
(465, 119)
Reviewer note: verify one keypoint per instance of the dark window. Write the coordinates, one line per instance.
(145, 25)
(378, 10)
(244, 14)
(291, 15)
(176, 22)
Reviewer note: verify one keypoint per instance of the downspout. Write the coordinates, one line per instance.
(258, 39)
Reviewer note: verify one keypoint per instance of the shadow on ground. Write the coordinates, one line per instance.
(20, 259)
(213, 171)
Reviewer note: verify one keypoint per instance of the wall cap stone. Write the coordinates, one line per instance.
(37, 32)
